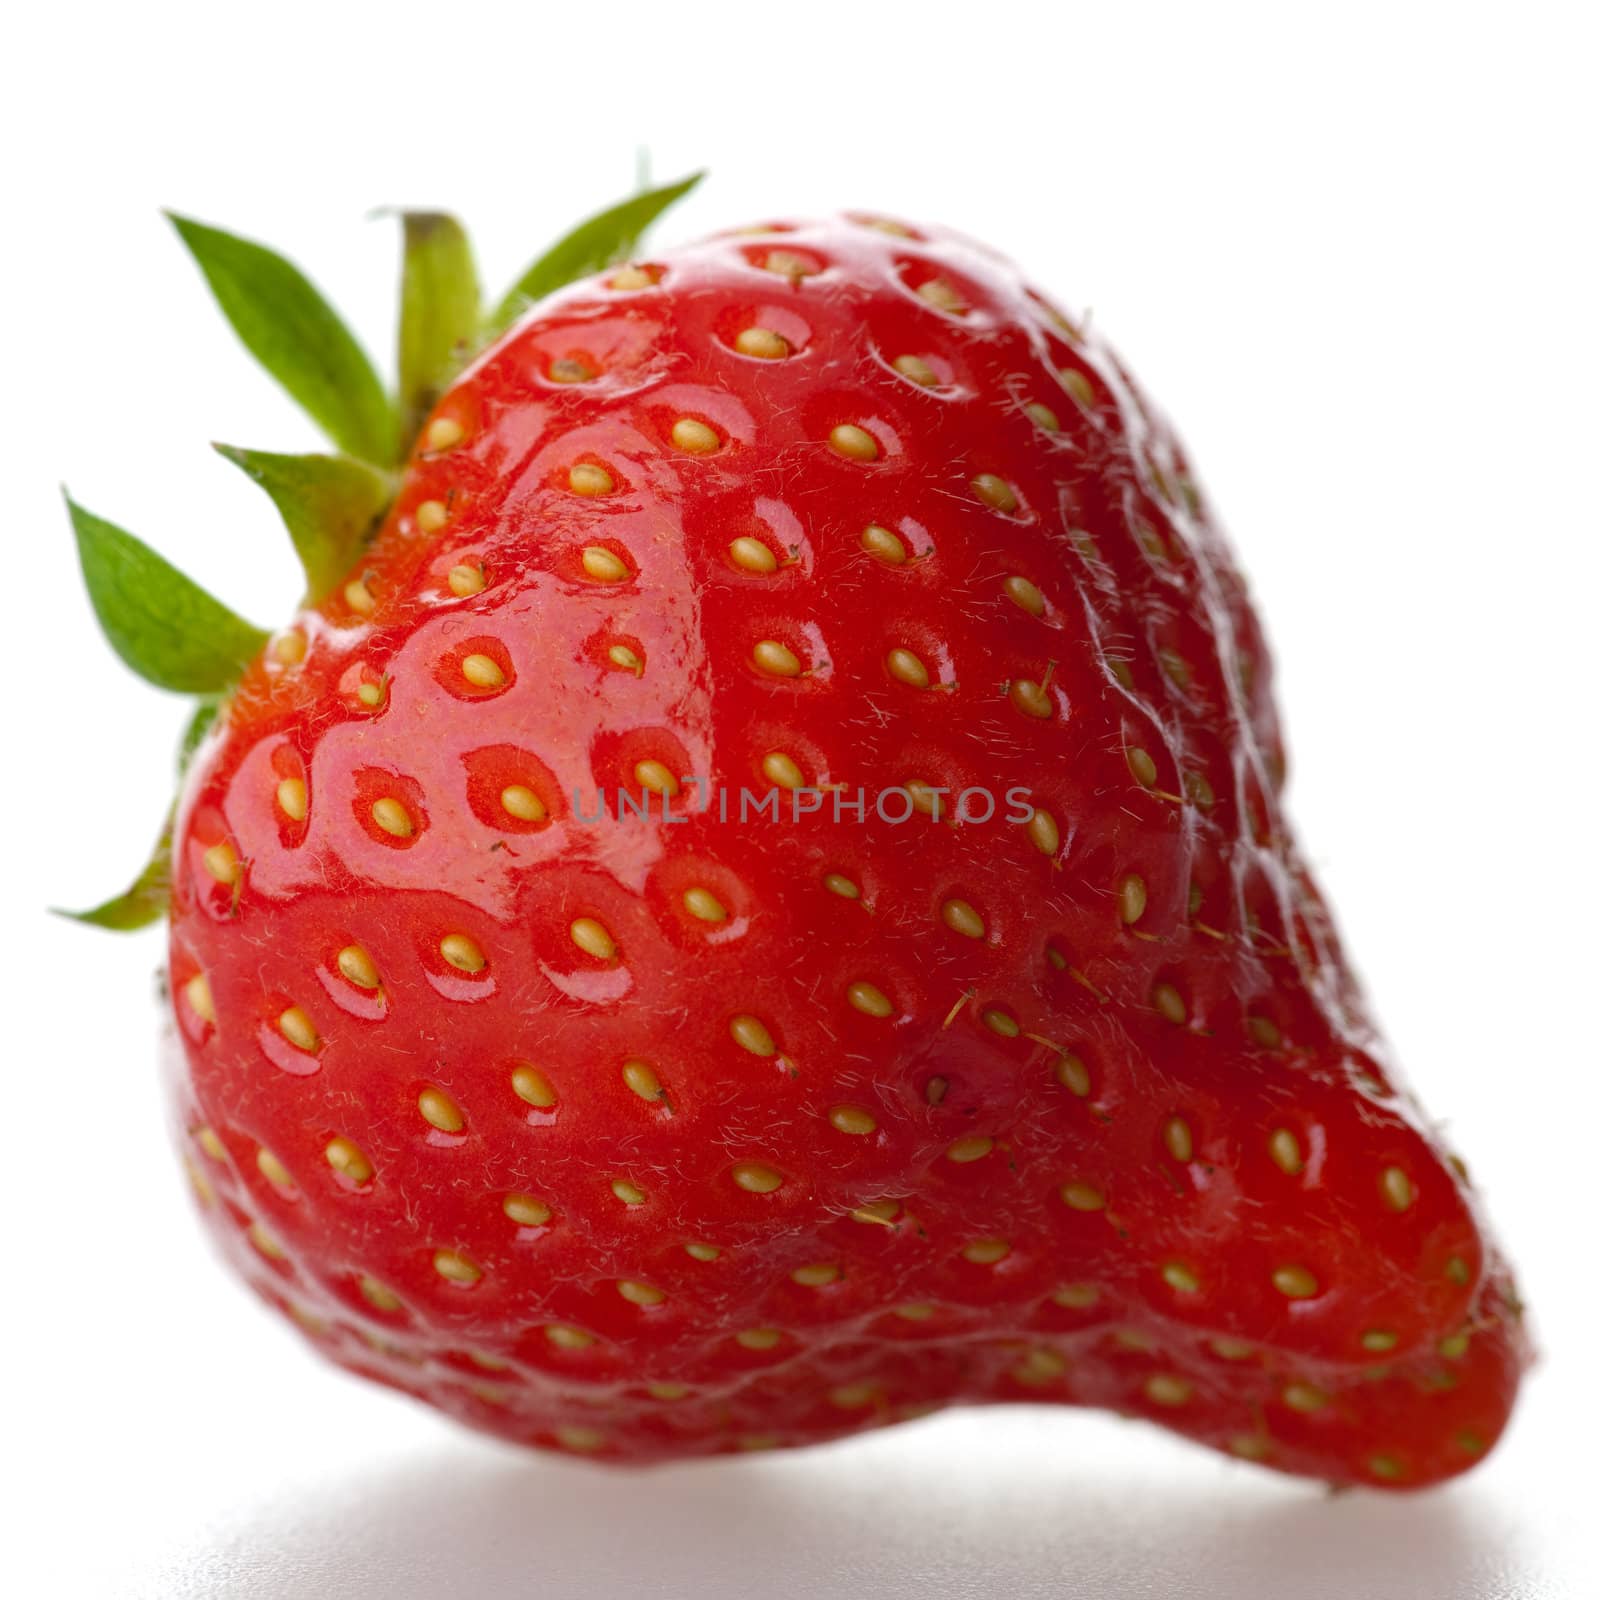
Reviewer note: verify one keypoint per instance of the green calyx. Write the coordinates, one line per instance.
(166, 627)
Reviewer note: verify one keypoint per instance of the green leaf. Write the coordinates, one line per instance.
(602, 241)
(298, 337)
(144, 900)
(198, 726)
(439, 313)
(328, 503)
(162, 624)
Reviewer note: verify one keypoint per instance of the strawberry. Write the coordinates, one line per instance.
(754, 899)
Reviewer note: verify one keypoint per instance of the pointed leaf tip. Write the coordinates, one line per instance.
(603, 240)
(294, 333)
(329, 504)
(144, 900)
(162, 623)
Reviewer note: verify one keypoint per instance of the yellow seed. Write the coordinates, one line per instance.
(357, 966)
(656, 777)
(631, 277)
(1142, 765)
(1025, 594)
(752, 555)
(787, 264)
(443, 433)
(273, 1170)
(621, 656)
(456, 1268)
(781, 769)
(292, 800)
(1231, 1349)
(886, 546)
(392, 817)
(1083, 1197)
(758, 1338)
(845, 888)
(197, 991)
(1001, 1022)
(586, 478)
(297, 1028)
(762, 343)
(348, 1159)
(640, 1294)
(1399, 1194)
(519, 801)
(568, 369)
(816, 1276)
(379, 1296)
(882, 1212)
(1455, 1345)
(1076, 1296)
(482, 672)
(525, 1211)
(1378, 1340)
(1164, 1389)
(852, 1119)
(1265, 1032)
(531, 1085)
(985, 1252)
(461, 952)
(439, 1110)
(870, 999)
(575, 1436)
(630, 1194)
(667, 1390)
(641, 1077)
(1043, 832)
(995, 492)
(208, 1141)
(974, 1147)
(700, 1251)
(432, 516)
(289, 647)
(1250, 1446)
(1042, 416)
(264, 1242)
(222, 862)
(1077, 386)
(942, 295)
(757, 1178)
(1385, 1466)
(565, 1337)
(1131, 898)
(1166, 999)
(466, 580)
(593, 938)
(359, 597)
(1031, 699)
(908, 668)
(854, 442)
(917, 370)
(1295, 1283)
(1072, 1074)
(703, 904)
(1284, 1149)
(370, 694)
(752, 1034)
(1304, 1397)
(915, 1311)
(1457, 1271)
(603, 565)
(1179, 1141)
(853, 1396)
(1177, 1276)
(960, 917)
(694, 436)
(776, 659)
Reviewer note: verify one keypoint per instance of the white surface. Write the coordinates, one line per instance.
(1349, 250)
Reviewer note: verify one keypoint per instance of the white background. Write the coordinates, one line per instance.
(1350, 249)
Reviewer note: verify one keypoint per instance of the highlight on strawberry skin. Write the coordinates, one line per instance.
(753, 899)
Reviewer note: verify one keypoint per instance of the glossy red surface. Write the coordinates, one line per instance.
(1147, 1048)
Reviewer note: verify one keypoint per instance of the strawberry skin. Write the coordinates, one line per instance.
(653, 1138)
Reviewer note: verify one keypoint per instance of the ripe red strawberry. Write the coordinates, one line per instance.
(657, 1137)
